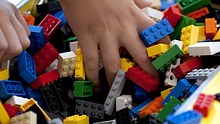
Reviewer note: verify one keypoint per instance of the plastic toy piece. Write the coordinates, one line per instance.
(124, 101)
(26, 67)
(106, 122)
(9, 88)
(50, 25)
(142, 79)
(25, 118)
(202, 36)
(83, 88)
(188, 117)
(165, 60)
(29, 19)
(4, 74)
(210, 27)
(45, 79)
(182, 69)
(45, 57)
(200, 74)
(189, 36)
(66, 64)
(155, 14)
(182, 86)
(156, 32)
(76, 119)
(178, 43)
(164, 93)
(198, 13)
(135, 111)
(55, 121)
(52, 66)
(11, 110)
(140, 94)
(4, 118)
(217, 96)
(126, 64)
(91, 109)
(60, 15)
(168, 108)
(16, 101)
(123, 116)
(73, 46)
(173, 15)
(79, 68)
(217, 36)
(156, 4)
(157, 50)
(192, 90)
(188, 6)
(204, 103)
(67, 42)
(152, 107)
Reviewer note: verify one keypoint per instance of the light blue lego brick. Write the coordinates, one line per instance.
(156, 32)
(26, 67)
(182, 86)
(140, 94)
(10, 88)
(192, 90)
(135, 112)
(60, 15)
(167, 3)
(188, 117)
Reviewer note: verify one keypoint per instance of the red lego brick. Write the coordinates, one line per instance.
(173, 15)
(210, 28)
(198, 13)
(45, 57)
(203, 103)
(50, 25)
(182, 69)
(142, 79)
(11, 110)
(45, 79)
(175, 6)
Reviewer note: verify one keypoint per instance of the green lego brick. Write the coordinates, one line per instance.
(83, 88)
(184, 21)
(168, 108)
(166, 59)
(66, 43)
(188, 6)
(199, 24)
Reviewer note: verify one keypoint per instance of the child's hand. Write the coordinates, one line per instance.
(108, 25)
(13, 31)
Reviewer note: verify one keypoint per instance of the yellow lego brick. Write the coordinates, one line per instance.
(166, 92)
(189, 36)
(25, 118)
(4, 74)
(79, 67)
(202, 36)
(126, 64)
(28, 6)
(157, 50)
(4, 118)
(76, 119)
(217, 36)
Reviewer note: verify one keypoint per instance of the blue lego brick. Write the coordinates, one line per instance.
(182, 86)
(10, 88)
(156, 32)
(60, 15)
(192, 90)
(188, 117)
(167, 3)
(140, 94)
(37, 39)
(135, 111)
(26, 67)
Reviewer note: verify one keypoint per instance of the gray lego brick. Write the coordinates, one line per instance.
(55, 121)
(200, 74)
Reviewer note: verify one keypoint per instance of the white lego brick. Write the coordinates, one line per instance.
(16, 100)
(114, 92)
(25, 118)
(204, 48)
(106, 122)
(170, 77)
(52, 66)
(123, 101)
(73, 46)
(176, 42)
(153, 13)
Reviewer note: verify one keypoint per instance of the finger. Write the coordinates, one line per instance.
(110, 56)
(3, 45)
(143, 3)
(22, 22)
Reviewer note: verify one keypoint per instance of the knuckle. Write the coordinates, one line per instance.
(3, 46)
(26, 43)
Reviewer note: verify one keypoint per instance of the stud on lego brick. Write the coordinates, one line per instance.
(123, 102)
(157, 50)
(76, 119)
(25, 118)
(83, 88)
(200, 74)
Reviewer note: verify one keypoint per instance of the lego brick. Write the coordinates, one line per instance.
(168, 109)
(124, 101)
(83, 88)
(11, 110)
(25, 118)
(164, 93)
(79, 67)
(67, 42)
(106, 122)
(157, 50)
(188, 117)
(45, 79)
(167, 3)
(126, 64)
(156, 32)
(217, 36)
(93, 110)
(182, 86)
(4, 74)
(50, 25)
(152, 119)
(192, 90)
(55, 121)
(45, 57)
(76, 119)
(29, 19)
(60, 15)
(198, 13)
(37, 38)
(165, 60)
(66, 64)
(16, 101)
(9, 88)
(4, 65)
(135, 110)
(189, 36)
(123, 116)
(4, 118)
(188, 6)
(173, 15)
(178, 43)
(26, 67)
(74, 46)
(156, 4)
(152, 107)
(49, 7)
(200, 74)
(174, 5)
(153, 13)
(210, 28)
(182, 69)
(202, 36)
(115, 91)
(142, 79)
(203, 103)
(140, 94)
(52, 66)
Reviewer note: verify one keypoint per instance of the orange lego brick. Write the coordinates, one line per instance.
(198, 13)
(210, 28)
(29, 19)
(152, 107)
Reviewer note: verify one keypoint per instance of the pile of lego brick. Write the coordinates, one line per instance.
(47, 82)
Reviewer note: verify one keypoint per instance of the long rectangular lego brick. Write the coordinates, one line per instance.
(136, 109)
(200, 74)
(210, 27)
(4, 118)
(79, 67)
(198, 13)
